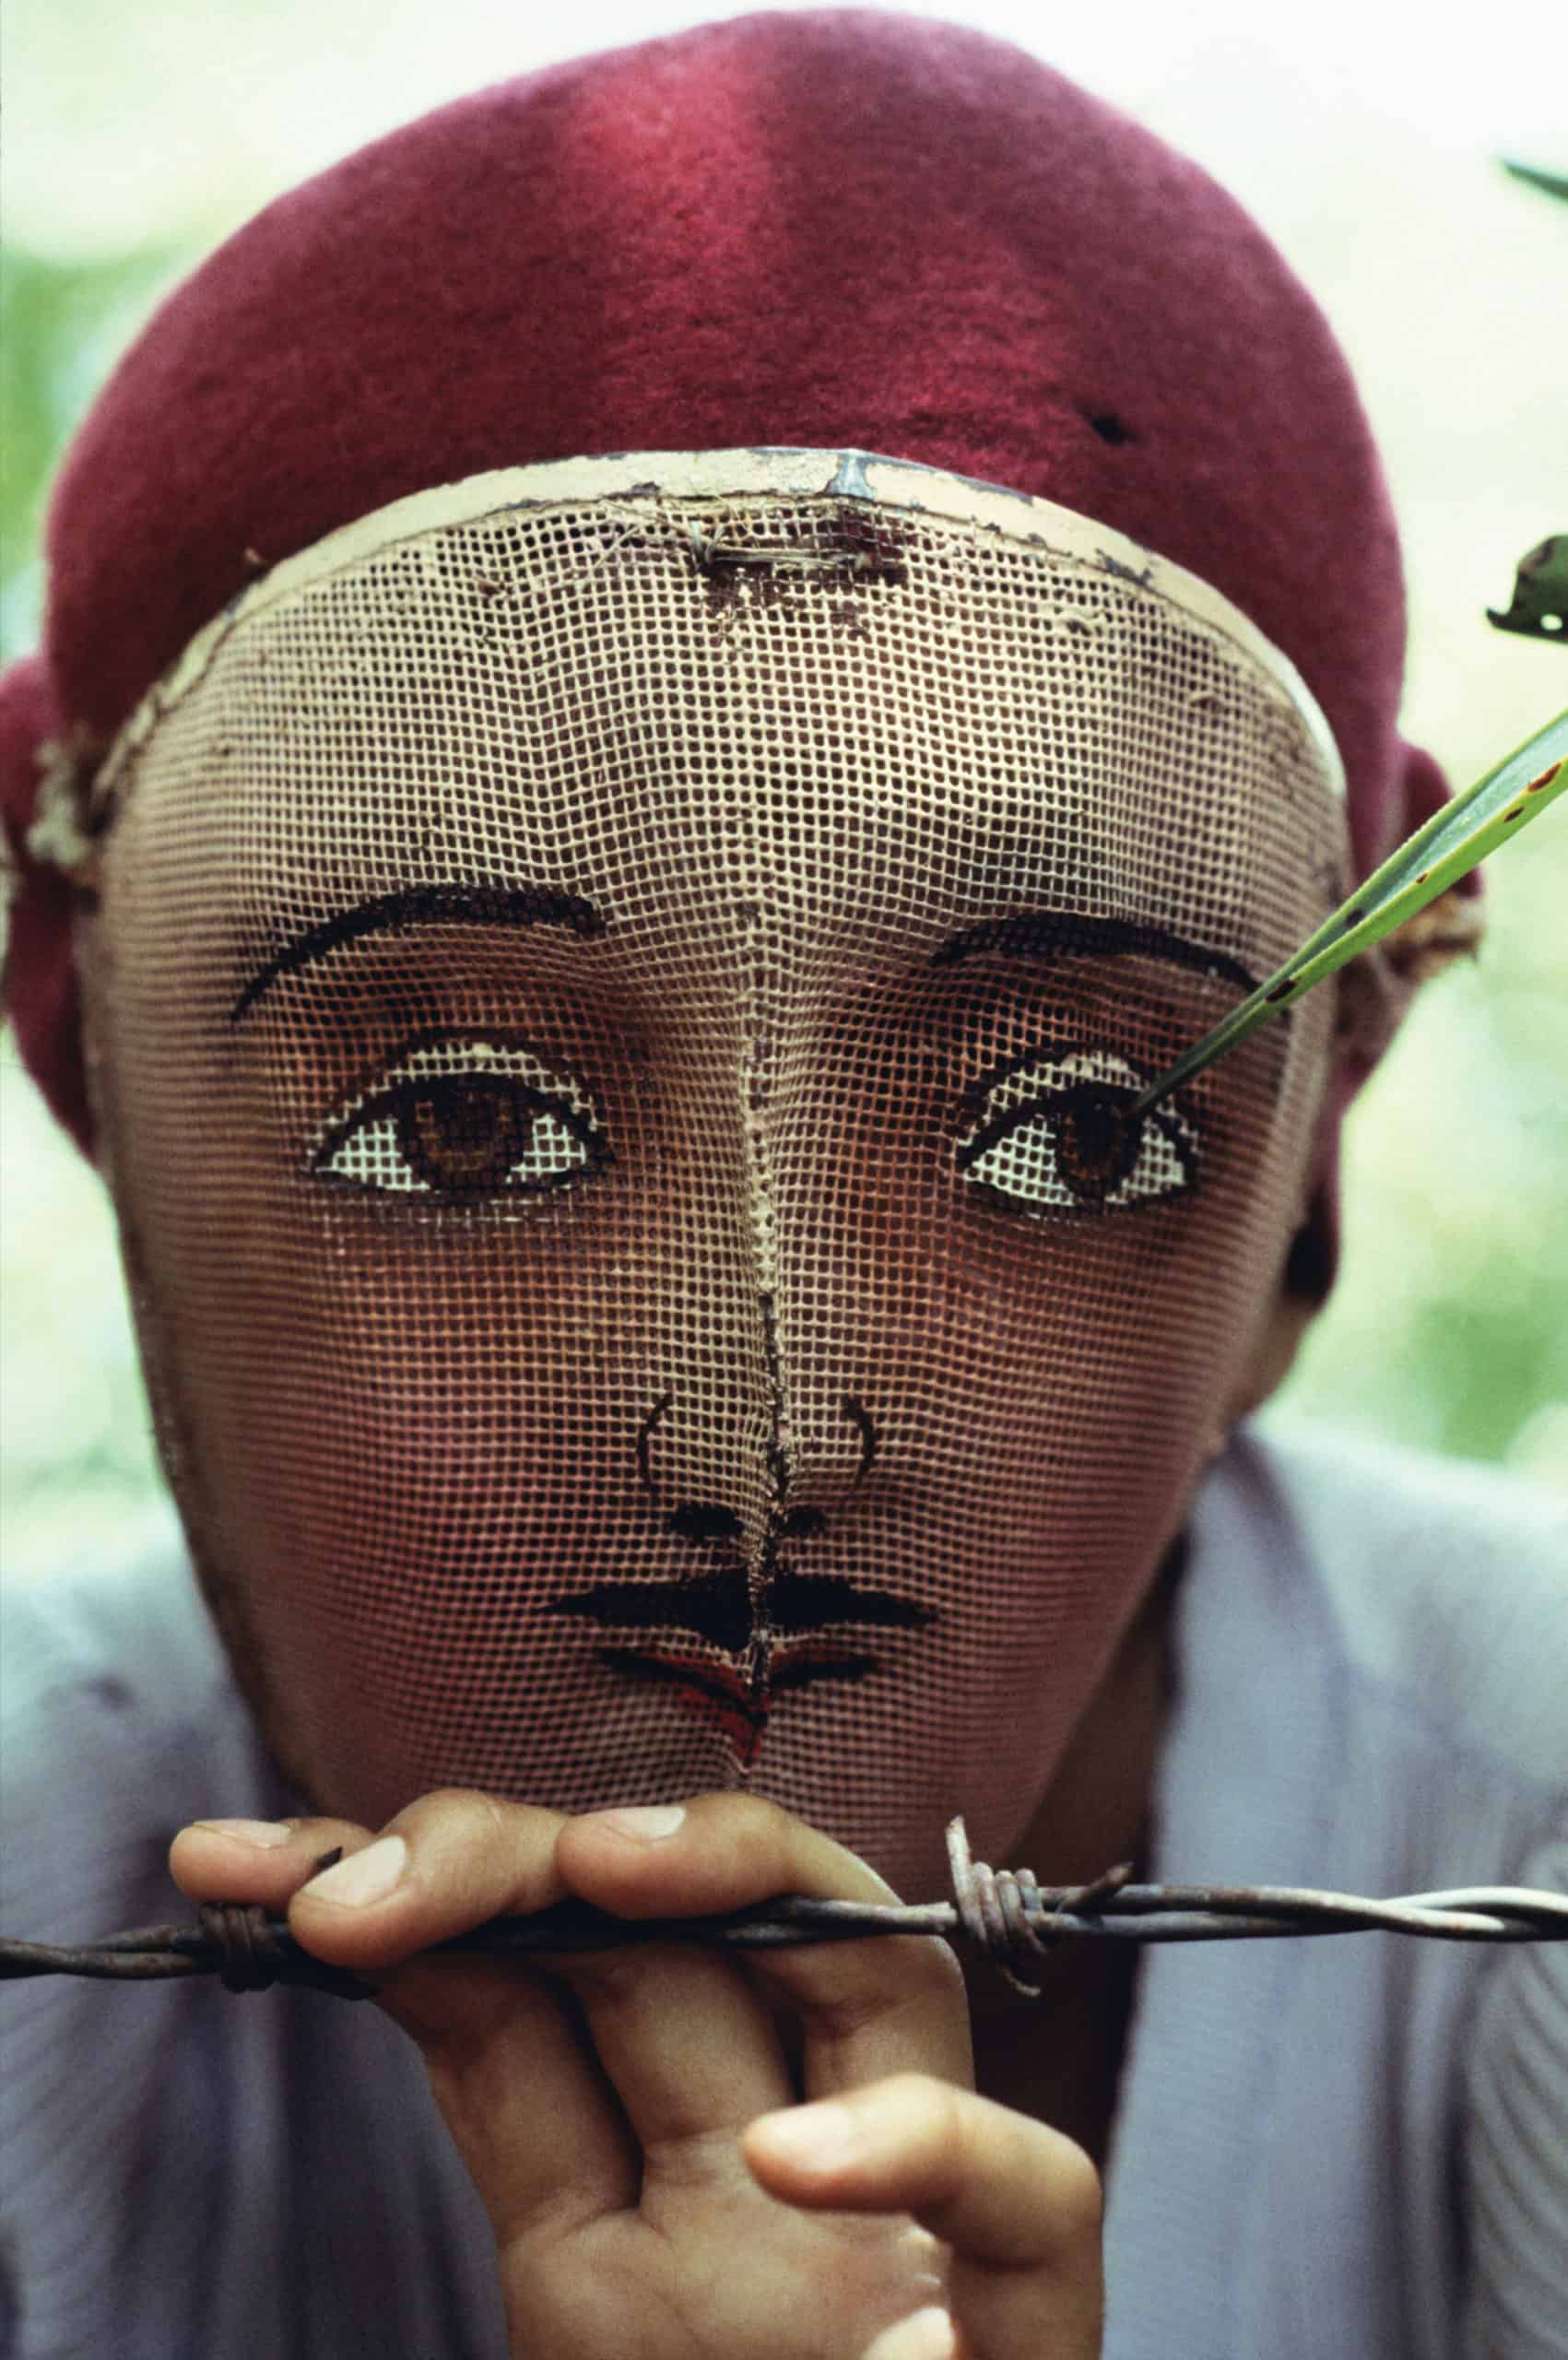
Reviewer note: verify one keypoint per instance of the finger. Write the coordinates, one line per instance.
(447, 1863)
(691, 2049)
(528, 2104)
(867, 2010)
(530, 2109)
(1017, 2204)
(265, 1861)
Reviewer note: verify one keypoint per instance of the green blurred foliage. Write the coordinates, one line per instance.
(1449, 1327)
(77, 1463)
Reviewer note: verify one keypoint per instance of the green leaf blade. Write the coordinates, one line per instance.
(1444, 849)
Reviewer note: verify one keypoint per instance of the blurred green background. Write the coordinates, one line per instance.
(138, 138)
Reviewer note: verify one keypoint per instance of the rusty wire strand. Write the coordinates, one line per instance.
(1005, 1913)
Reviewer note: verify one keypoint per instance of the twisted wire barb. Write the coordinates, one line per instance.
(1005, 1913)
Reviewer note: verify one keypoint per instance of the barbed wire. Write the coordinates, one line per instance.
(1005, 1914)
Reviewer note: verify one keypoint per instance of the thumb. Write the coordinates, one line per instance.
(1017, 2204)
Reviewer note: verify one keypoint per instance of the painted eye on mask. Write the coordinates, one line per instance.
(1053, 1136)
(465, 1119)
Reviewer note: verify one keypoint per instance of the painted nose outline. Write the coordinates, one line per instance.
(771, 1631)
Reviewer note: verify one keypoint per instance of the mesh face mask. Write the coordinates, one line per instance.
(612, 992)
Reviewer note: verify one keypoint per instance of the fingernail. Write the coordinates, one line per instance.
(925, 2335)
(645, 1826)
(264, 1834)
(364, 1876)
(819, 2138)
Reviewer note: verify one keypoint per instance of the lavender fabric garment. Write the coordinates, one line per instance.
(185, 2175)
(1323, 2150)
(1374, 1659)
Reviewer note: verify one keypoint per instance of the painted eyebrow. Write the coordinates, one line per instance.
(513, 905)
(1063, 934)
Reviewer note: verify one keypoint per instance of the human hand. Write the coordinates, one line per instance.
(630, 2117)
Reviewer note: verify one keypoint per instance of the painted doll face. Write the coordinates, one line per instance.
(613, 1058)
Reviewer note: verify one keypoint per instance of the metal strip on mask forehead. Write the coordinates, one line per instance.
(855, 480)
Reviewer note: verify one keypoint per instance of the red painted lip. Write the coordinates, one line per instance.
(717, 1697)
(729, 1701)
(718, 1681)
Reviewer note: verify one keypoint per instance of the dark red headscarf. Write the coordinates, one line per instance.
(835, 228)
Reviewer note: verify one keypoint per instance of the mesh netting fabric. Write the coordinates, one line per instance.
(612, 997)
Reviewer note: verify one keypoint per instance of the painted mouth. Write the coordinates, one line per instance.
(736, 1703)
(718, 1609)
